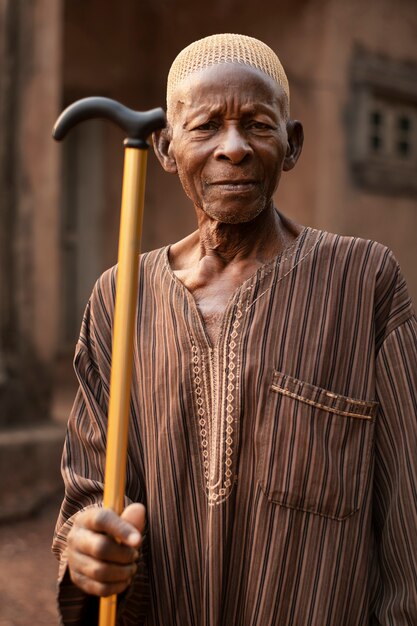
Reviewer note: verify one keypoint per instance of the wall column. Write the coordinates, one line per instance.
(30, 100)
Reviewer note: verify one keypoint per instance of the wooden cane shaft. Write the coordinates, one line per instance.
(122, 352)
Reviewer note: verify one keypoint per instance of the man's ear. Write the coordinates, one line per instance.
(161, 140)
(295, 140)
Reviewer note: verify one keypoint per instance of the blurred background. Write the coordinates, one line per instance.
(352, 68)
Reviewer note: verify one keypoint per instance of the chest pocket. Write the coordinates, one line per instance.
(313, 448)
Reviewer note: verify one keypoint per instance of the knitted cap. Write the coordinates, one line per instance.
(226, 48)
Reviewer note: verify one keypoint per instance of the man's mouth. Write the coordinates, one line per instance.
(234, 185)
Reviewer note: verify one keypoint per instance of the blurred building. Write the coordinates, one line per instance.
(352, 68)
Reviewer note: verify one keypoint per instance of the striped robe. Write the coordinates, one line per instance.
(279, 466)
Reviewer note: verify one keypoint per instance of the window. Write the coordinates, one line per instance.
(391, 131)
(383, 124)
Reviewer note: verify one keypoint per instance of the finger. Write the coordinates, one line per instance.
(101, 547)
(135, 514)
(101, 571)
(95, 588)
(107, 521)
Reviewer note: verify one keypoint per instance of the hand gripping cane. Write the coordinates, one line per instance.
(138, 126)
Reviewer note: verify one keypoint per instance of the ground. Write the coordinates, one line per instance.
(28, 570)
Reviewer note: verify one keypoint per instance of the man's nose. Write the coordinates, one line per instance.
(233, 145)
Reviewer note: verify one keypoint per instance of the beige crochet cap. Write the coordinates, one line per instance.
(226, 48)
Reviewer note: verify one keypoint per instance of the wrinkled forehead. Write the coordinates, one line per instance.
(232, 87)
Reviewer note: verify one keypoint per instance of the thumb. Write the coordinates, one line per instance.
(135, 514)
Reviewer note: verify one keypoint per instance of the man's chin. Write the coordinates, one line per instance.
(234, 216)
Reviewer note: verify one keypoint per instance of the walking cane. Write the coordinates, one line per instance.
(138, 125)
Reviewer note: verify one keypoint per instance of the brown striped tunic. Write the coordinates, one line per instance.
(279, 466)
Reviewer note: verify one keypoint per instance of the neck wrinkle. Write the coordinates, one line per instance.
(261, 239)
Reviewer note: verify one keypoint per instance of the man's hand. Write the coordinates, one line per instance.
(103, 548)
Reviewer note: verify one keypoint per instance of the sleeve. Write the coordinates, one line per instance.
(395, 480)
(83, 464)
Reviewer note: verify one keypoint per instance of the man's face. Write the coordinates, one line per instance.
(229, 140)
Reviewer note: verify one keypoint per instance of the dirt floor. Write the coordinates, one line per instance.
(28, 570)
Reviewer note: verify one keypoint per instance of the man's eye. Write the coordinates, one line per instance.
(259, 126)
(206, 126)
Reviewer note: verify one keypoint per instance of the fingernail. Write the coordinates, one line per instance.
(133, 538)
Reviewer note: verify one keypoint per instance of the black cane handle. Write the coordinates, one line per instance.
(137, 124)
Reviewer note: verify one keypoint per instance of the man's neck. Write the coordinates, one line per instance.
(214, 261)
(217, 245)
(259, 240)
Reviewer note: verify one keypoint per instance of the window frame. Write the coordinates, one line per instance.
(389, 87)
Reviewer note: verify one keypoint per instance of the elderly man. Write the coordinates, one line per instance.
(273, 431)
